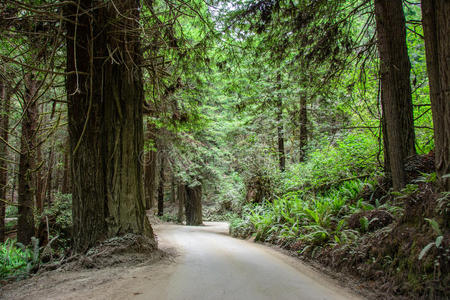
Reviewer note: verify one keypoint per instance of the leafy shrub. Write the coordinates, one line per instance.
(59, 217)
(241, 228)
(16, 260)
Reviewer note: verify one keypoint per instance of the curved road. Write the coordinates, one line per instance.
(212, 265)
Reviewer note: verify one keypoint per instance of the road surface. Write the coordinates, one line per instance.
(212, 265)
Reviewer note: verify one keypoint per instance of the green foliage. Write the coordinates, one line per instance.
(12, 211)
(439, 239)
(59, 216)
(16, 260)
(298, 216)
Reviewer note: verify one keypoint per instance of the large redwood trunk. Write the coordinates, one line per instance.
(396, 88)
(105, 115)
(25, 222)
(4, 130)
(193, 205)
(436, 26)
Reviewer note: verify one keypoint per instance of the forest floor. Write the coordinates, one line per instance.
(195, 263)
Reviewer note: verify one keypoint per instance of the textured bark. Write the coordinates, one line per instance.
(436, 25)
(162, 181)
(396, 88)
(303, 128)
(181, 196)
(193, 205)
(105, 121)
(150, 168)
(25, 222)
(4, 129)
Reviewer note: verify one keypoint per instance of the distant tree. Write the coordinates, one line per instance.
(193, 205)
(436, 25)
(162, 179)
(396, 98)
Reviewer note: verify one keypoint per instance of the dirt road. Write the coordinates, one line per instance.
(213, 265)
(208, 264)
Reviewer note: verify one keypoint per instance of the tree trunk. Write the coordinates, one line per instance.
(303, 128)
(49, 176)
(4, 130)
(105, 119)
(193, 205)
(25, 222)
(173, 196)
(396, 88)
(161, 185)
(181, 196)
(65, 188)
(436, 26)
(150, 166)
(38, 176)
(280, 129)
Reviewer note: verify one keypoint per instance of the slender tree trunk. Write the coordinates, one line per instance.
(162, 180)
(303, 128)
(395, 84)
(436, 25)
(25, 223)
(173, 196)
(181, 196)
(105, 118)
(193, 205)
(39, 181)
(49, 176)
(150, 167)
(4, 130)
(65, 188)
(280, 129)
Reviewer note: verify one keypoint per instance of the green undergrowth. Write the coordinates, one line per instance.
(400, 239)
(16, 260)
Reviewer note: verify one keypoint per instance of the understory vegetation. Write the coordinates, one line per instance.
(356, 224)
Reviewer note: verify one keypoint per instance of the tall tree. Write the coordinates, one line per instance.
(27, 161)
(436, 25)
(4, 130)
(303, 127)
(280, 128)
(162, 181)
(150, 167)
(181, 196)
(105, 116)
(396, 88)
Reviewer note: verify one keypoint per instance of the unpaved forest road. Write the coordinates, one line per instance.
(213, 265)
(208, 264)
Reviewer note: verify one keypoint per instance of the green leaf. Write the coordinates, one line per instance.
(434, 225)
(425, 250)
(439, 240)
